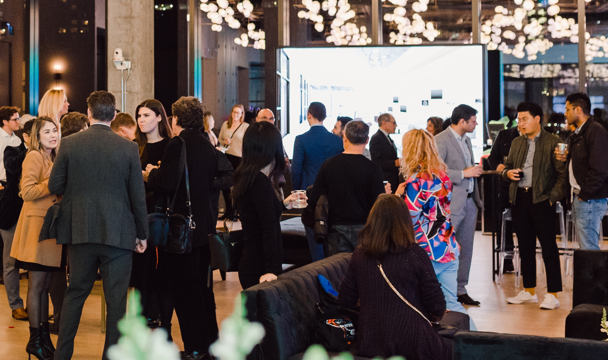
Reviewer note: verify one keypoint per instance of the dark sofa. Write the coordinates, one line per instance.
(589, 295)
(287, 308)
(492, 346)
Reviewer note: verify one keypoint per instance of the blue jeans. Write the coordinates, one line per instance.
(447, 275)
(587, 219)
(316, 250)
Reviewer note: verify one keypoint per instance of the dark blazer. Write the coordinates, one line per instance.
(11, 202)
(104, 200)
(501, 148)
(202, 168)
(310, 151)
(549, 175)
(587, 151)
(384, 154)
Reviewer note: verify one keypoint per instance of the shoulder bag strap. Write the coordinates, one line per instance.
(237, 129)
(188, 202)
(182, 165)
(401, 296)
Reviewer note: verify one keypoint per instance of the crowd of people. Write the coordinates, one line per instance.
(412, 215)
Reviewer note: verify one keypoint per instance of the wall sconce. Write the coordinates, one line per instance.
(57, 75)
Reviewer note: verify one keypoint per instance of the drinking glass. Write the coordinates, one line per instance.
(300, 199)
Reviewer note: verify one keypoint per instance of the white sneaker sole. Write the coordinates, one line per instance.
(549, 308)
(522, 302)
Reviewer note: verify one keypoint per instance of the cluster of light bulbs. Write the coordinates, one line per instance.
(223, 12)
(349, 34)
(258, 37)
(338, 8)
(407, 27)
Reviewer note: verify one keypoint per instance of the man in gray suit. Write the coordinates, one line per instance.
(102, 219)
(455, 149)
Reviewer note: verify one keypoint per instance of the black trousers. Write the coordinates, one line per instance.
(502, 204)
(533, 221)
(194, 303)
(59, 285)
(235, 161)
(114, 265)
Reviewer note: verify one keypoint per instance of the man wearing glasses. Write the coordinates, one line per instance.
(265, 115)
(587, 170)
(9, 116)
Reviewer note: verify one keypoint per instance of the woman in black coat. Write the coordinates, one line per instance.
(194, 300)
(255, 182)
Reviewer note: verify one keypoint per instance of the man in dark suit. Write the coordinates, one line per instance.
(497, 158)
(456, 151)
(310, 151)
(102, 219)
(384, 151)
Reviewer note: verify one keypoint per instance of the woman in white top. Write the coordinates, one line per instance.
(231, 136)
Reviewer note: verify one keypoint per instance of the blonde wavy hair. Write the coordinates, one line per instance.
(420, 154)
(51, 103)
(230, 119)
(35, 144)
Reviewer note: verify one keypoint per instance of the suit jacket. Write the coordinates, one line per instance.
(37, 200)
(549, 175)
(501, 149)
(11, 202)
(104, 200)
(311, 149)
(384, 154)
(202, 168)
(451, 153)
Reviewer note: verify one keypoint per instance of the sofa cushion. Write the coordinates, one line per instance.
(484, 346)
(590, 283)
(583, 322)
(287, 307)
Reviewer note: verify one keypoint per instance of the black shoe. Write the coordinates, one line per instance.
(153, 323)
(47, 344)
(196, 355)
(466, 299)
(34, 346)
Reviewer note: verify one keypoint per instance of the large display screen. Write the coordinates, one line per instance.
(412, 83)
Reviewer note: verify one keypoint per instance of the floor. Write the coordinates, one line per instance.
(493, 315)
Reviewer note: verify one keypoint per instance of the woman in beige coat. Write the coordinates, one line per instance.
(40, 258)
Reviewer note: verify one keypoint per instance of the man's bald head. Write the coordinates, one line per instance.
(265, 115)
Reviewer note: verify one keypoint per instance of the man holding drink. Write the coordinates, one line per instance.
(537, 181)
(585, 158)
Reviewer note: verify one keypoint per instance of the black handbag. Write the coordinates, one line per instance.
(174, 232)
(226, 249)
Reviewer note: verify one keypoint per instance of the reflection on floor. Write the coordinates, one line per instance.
(493, 315)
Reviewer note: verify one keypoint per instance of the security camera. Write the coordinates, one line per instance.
(118, 55)
(119, 60)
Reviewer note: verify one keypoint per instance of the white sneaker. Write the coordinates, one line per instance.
(523, 297)
(550, 303)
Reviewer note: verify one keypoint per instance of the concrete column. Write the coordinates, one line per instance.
(582, 41)
(130, 26)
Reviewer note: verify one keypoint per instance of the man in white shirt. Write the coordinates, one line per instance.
(10, 123)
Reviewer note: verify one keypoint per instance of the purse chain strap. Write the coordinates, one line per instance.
(401, 296)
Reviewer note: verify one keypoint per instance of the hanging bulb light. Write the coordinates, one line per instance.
(553, 10)
(528, 5)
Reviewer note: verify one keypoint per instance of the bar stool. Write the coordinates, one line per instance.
(505, 254)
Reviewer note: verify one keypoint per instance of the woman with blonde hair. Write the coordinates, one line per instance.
(427, 191)
(208, 124)
(231, 136)
(54, 104)
(40, 258)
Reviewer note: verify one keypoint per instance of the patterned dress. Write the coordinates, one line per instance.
(428, 199)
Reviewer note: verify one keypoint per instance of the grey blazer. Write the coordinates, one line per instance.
(451, 154)
(104, 201)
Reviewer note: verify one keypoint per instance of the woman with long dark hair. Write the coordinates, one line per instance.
(255, 182)
(40, 258)
(387, 325)
(152, 134)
